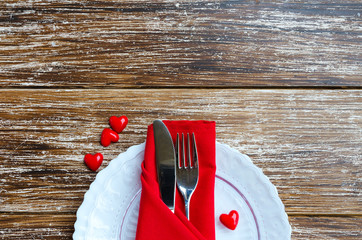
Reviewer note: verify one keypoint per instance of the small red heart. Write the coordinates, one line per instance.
(230, 220)
(108, 136)
(118, 123)
(93, 161)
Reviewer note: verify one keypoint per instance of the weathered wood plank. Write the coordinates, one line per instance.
(326, 227)
(37, 226)
(308, 142)
(116, 44)
(60, 226)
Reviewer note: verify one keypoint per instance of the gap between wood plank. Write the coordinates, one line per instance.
(190, 87)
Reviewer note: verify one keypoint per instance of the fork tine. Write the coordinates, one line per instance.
(183, 155)
(194, 151)
(177, 151)
(189, 160)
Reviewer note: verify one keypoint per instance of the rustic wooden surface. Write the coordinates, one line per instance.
(282, 79)
(180, 43)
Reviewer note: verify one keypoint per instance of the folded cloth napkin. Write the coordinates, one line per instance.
(155, 220)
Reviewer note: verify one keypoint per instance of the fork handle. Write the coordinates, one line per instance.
(187, 196)
(187, 206)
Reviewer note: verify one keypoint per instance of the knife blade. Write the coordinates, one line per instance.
(165, 162)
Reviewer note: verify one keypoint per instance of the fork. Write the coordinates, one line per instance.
(187, 170)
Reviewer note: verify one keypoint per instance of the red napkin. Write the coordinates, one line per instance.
(155, 220)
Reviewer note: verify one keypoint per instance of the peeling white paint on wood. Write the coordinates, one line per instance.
(194, 43)
(308, 142)
(299, 137)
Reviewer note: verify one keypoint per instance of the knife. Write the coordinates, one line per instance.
(165, 162)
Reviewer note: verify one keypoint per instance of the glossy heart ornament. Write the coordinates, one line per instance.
(108, 136)
(118, 123)
(93, 161)
(230, 220)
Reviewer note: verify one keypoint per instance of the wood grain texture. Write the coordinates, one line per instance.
(307, 142)
(60, 226)
(270, 73)
(122, 44)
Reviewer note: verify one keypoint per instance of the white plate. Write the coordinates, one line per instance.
(110, 206)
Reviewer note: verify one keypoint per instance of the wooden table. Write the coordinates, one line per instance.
(282, 79)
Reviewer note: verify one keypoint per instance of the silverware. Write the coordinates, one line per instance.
(165, 163)
(187, 170)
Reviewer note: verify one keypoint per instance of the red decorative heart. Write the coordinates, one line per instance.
(118, 123)
(108, 136)
(230, 220)
(93, 161)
